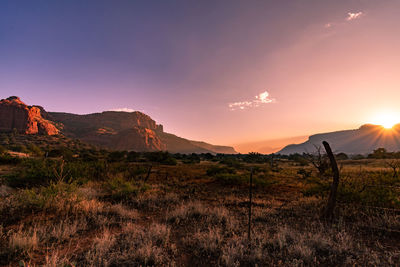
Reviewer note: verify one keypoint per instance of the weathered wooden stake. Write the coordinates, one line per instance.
(250, 202)
(332, 195)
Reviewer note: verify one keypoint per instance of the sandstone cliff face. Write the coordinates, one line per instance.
(116, 130)
(143, 139)
(128, 131)
(14, 114)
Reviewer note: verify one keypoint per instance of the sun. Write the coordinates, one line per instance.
(386, 119)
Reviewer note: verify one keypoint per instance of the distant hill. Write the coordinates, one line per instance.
(268, 146)
(358, 141)
(109, 129)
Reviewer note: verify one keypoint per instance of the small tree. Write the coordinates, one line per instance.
(319, 160)
(394, 165)
(379, 153)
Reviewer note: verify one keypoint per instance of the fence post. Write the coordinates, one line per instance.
(250, 202)
(328, 214)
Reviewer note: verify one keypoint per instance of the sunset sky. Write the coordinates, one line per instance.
(225, 72)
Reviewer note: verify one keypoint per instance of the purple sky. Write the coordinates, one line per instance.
(197, 66)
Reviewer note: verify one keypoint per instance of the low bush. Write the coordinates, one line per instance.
(119, 189)
(216, 170)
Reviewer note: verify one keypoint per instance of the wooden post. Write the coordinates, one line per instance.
(250, 202)
(332, 195)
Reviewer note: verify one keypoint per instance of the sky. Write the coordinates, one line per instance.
(222, 71)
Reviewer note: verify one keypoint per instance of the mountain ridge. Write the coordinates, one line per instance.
(354, 141)
(116, 130)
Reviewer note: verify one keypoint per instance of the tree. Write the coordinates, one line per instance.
(395, 165)
(319, 160)
(342, 156)
(379, 153)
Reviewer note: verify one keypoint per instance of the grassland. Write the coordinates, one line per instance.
(106, 210)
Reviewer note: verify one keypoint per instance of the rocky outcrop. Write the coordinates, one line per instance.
(14, 114)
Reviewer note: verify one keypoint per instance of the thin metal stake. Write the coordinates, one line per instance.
(250, 199)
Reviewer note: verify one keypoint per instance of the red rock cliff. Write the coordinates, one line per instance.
(14, 114)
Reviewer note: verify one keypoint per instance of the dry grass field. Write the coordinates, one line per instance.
(197, 215)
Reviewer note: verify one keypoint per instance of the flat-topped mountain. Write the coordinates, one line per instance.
(358, 141)
(110, 129)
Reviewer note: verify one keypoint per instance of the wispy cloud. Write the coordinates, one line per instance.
(350, 16)
(260, 99)
(353, 16)
(123, 109)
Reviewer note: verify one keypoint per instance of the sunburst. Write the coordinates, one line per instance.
(386, 119)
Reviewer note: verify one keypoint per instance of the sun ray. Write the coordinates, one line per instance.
(386, 119)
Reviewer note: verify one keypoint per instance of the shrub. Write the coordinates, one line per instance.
(35, 150)
(32, 173)
(161, 157)
(6, 158)
(133, 156)
(232, 162)
(304, 173)
(19, 148)
(214, 170)
(116, 156)
(48, 197)
(119, 189)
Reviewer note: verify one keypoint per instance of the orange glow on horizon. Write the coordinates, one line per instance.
(386, 119)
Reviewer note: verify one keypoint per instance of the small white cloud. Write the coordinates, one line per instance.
(240, 105)
(262, 98)
(123, 109)
(353, 16)
(328, 25)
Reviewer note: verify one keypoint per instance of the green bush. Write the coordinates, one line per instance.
(35, 150)
(119, 189)
(6, 158)
(215, 170)
(32, 173)
(161, 157)
(315, 186)
(378, 189)
(39, 172)
(232, 162)
(116, 156)
(135, 172)
(133, 156)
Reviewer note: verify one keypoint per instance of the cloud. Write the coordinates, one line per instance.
(328, 25)
(353, 16)
(123, 109)
(262, 98)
